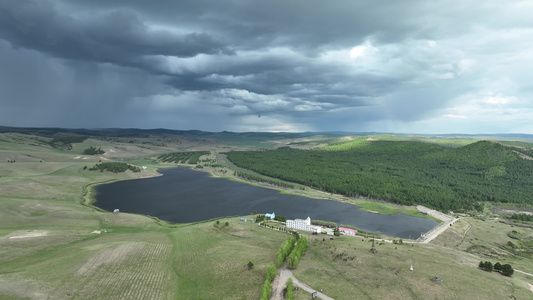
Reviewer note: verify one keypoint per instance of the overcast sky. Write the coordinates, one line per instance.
(268, 65)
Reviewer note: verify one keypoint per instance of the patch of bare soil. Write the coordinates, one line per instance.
(279, 285)
(21, 288)
(511, 212)
(27, 234)
(530, 286)
(523, 156)
(277, 289)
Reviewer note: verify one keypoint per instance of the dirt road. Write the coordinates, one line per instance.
(279, 285)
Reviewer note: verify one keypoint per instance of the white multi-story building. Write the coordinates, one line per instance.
(304, 225)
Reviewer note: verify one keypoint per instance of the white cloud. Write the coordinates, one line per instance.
(489, 108)
(306, 107)
(357, 51)
(362, 50)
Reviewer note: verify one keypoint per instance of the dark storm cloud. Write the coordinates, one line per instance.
(300, 24)
(298, 64)
(114, 36)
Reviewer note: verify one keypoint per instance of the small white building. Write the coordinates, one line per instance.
(304, 225)
(348, 231)
(270, 216)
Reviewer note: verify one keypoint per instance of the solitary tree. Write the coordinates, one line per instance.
(250, 265)
(336, 232)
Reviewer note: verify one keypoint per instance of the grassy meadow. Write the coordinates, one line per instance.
(345, 269)
(55, 245)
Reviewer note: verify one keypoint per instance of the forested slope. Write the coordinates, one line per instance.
(404, 172)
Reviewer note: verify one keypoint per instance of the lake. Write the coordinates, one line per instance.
(183, 195)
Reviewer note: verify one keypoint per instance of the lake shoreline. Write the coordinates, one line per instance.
(184, 192)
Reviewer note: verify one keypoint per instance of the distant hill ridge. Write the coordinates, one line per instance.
(50, 131)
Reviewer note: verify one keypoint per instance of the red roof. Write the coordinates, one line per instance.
(347, 229)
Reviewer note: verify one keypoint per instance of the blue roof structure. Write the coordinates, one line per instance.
(272, 215)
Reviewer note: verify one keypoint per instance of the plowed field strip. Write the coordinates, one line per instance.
(129, 271)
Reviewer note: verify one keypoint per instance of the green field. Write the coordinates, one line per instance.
(345, 269)
(53, 245)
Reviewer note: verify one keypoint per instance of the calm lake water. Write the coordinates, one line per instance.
(182, 195)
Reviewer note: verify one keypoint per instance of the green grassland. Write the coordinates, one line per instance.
(54, 245)
(345, 269)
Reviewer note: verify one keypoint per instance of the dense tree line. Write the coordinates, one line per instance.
(263, 179)
(522, 217)
(65, 142)
(324, 223)
(267, 286)
(284, 251)
(211, 163)
(294, 258)
(403, 172)
(290, 287)
(93, 151)
(191, 157)
(115, 167)
(280, 218)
